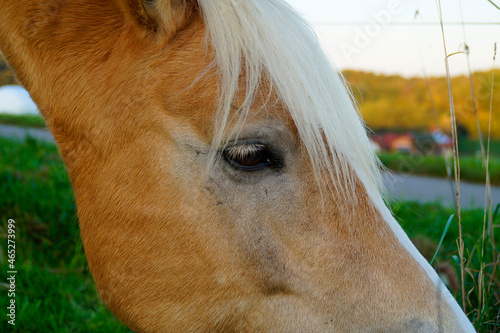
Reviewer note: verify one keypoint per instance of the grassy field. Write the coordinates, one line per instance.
(23, 120)
(470, 147)
(55, 292)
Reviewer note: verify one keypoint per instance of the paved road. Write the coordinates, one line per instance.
(401, 186)
(21, 132)
(429, 189)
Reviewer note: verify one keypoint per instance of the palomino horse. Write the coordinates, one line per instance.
(223, 179)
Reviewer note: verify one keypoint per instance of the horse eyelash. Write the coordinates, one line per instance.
(244, 150)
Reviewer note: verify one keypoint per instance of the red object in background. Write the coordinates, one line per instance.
(395, 142)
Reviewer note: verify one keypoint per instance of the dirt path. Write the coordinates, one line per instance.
(401, 186)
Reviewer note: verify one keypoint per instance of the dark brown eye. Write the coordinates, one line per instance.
(249, 157)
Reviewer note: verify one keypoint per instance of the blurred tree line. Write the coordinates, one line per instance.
(396, 103)
(6, 75)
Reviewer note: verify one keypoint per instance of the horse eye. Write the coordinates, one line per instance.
(249, 157)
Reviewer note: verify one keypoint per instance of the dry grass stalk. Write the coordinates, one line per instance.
(456, 159)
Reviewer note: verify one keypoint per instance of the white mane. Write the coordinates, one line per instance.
(269, 38)
(275, 41)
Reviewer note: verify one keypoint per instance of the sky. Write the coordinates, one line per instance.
(386, 36)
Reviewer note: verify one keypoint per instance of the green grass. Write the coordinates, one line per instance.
(55, 292)
(424, 224)
(469, 147)
(23, 120)
(471, 168)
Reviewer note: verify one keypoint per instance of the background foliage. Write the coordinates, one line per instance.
(394, 102)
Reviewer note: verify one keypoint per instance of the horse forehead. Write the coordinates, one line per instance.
(189, 92)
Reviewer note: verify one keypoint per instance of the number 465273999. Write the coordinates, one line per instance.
(11, 247)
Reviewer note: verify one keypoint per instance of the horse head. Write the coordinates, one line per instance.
(223, 178)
